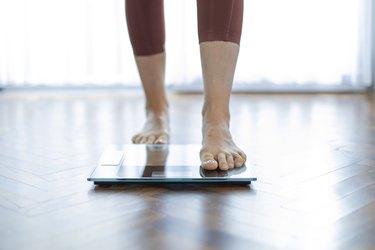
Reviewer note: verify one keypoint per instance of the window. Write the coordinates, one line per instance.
(285, 44)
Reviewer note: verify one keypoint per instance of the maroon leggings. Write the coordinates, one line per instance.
(218, 20)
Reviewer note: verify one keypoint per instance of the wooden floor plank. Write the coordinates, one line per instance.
(319, 197)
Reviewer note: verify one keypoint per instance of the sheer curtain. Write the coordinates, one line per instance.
(285, 43)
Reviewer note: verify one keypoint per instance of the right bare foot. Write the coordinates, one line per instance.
(155, 130)
(218, 148)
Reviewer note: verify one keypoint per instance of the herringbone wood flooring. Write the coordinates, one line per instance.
(314, 156)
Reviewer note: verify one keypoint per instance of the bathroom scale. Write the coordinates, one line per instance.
(161, 163)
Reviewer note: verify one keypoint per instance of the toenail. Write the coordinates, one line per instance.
(209, 161)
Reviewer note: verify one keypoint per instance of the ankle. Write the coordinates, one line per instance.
(214, 131)
(215, 122)
(156, 114)
(158, 109)
(215, 116)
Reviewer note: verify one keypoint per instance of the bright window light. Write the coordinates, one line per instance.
(79, 42)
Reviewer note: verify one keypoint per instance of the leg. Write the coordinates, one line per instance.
(156, 129)
(145, 20)
(220, 24)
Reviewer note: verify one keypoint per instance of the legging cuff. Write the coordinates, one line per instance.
(234, 37)
(148, 52)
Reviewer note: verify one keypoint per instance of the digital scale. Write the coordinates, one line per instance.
(162, 164)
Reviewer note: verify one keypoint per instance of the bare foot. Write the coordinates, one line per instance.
(218, 149)
(155, 130)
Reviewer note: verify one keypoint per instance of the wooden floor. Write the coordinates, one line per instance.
(314, 156)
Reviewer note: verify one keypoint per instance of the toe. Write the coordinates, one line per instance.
(138, 139)
(135, 138)
(142, 140)
(150, 139)
(230, 161)
(238, 161)
(208, 161)
(243, 155)
(163, 139)
(223, 165)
